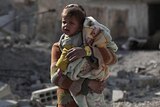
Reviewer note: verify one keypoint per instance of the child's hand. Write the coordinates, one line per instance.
(95, 31)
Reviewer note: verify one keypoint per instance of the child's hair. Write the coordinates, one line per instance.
(74, 10)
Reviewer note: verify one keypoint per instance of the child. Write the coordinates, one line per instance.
(74, 24)
(73, 17)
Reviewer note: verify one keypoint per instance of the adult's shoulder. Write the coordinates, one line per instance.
(55, 53)
(56, 44)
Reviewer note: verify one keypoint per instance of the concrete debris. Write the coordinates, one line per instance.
(45, 96)
(4, 90)
(151, 43)
(143, 81)
(157, 93)
(8, 103)
(134, 44)
(117, 95)
(134, 78)
(24, 103)
(20, 103)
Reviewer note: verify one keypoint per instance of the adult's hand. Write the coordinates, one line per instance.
(75, 53)
(96, 86)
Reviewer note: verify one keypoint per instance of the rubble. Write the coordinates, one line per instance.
(150, 43)
(134, 78)
(25, 60)
(45, 96)
(137, 74)
(4, 90)
(8, 103)
(117, 95)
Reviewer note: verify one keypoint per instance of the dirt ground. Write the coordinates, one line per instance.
(137, 73)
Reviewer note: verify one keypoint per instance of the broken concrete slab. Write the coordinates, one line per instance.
(4, 90)
(8, 103)
(117, 95)
(45, 96)
(143, 81)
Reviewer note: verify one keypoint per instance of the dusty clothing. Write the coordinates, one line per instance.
(81, 68)
(62, 81)
(103, 50)
(67, 84)
(67, 43)
(101, 40)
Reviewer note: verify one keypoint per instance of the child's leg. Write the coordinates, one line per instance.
(64, 99)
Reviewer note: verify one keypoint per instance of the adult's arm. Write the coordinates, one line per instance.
(59, 79)
(64, 82)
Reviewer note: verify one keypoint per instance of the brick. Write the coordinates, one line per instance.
(45, 96)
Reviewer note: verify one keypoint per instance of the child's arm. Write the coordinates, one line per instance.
(63, 81)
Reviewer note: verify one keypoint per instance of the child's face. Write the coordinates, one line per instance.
(70, 25)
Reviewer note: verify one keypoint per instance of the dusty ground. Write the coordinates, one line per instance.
(137, 73)
(25, 68)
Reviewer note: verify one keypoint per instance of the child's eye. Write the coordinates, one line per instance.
(64, 22)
